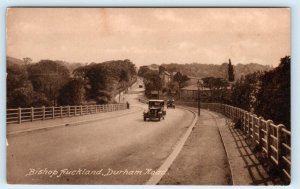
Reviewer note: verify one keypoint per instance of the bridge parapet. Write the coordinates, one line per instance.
(273, 140)
(21, 115)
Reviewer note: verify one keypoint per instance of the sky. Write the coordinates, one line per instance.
(150, 35)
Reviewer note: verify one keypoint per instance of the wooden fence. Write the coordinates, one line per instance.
(20, 115)
(274, 140)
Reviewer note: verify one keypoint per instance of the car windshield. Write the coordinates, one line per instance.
(155, 104)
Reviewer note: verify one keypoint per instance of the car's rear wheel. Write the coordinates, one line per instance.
(145, 119)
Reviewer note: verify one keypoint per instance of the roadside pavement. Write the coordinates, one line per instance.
(216, 154)
(202, 160)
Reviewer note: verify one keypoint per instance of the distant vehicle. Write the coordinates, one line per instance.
(140, 86)
(171, 103)
(156, 110)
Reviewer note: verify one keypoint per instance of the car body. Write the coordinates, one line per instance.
(156, 110)
(171, 103)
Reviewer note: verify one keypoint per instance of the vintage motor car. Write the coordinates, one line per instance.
(156, 110)
(171, 103)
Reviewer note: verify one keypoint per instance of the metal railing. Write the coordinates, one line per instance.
(274, 140)
(21, 115)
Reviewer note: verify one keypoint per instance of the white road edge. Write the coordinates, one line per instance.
(154, 180)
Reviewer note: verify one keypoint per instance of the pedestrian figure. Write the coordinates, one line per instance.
(127, 105)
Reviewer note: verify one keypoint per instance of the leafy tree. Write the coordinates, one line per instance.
(161, 69)
(180, 79)
(48, 77)
(143, 70)
(73, 93)
(244, 91)
(104, 80)
(217, 86)
(27, 60)
(274, 96)
(173, 86)
(230, 72)
(16, 77)
(152, 82)
(268, 93)
(123, 81)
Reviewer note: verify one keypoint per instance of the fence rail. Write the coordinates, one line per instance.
(274, 140)
(21, 115)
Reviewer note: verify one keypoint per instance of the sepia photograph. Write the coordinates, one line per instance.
(148, 96)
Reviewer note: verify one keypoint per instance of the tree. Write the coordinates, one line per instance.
(244, 91)
(180, 79)
(274, 96)
(152, 82)
(217, 86)
(104, 80)
(73, 93)
(143, 70)
(268, 93)
(230, 72)
(123, 81)
(27, 60)
(161, 69)
(48, 77)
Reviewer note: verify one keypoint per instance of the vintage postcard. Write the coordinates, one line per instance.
(148, 96)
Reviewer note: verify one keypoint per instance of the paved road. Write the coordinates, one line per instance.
(88, 153)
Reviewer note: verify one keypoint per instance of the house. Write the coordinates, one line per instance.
(191, 92)
(165, 77)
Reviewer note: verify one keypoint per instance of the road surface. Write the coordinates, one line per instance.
(115, 150)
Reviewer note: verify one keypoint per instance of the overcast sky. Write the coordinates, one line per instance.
(147, 36)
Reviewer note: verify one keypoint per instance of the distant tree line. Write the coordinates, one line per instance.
(50, 83)
(216, 70)
(266, 93)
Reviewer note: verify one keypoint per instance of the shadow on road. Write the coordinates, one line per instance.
(255, 168)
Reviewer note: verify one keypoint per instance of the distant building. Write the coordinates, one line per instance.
(191, 93)
(165, 77)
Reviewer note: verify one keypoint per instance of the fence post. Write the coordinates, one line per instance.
(43, 111)
(268, 125)
(259, 130)
(80, 109)
(279, 138)
(252, 126)
(53, 112)
(19, 115)
(61, 111)
(32, 114)
(244, 121)
(69, 111)
(249, 124)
